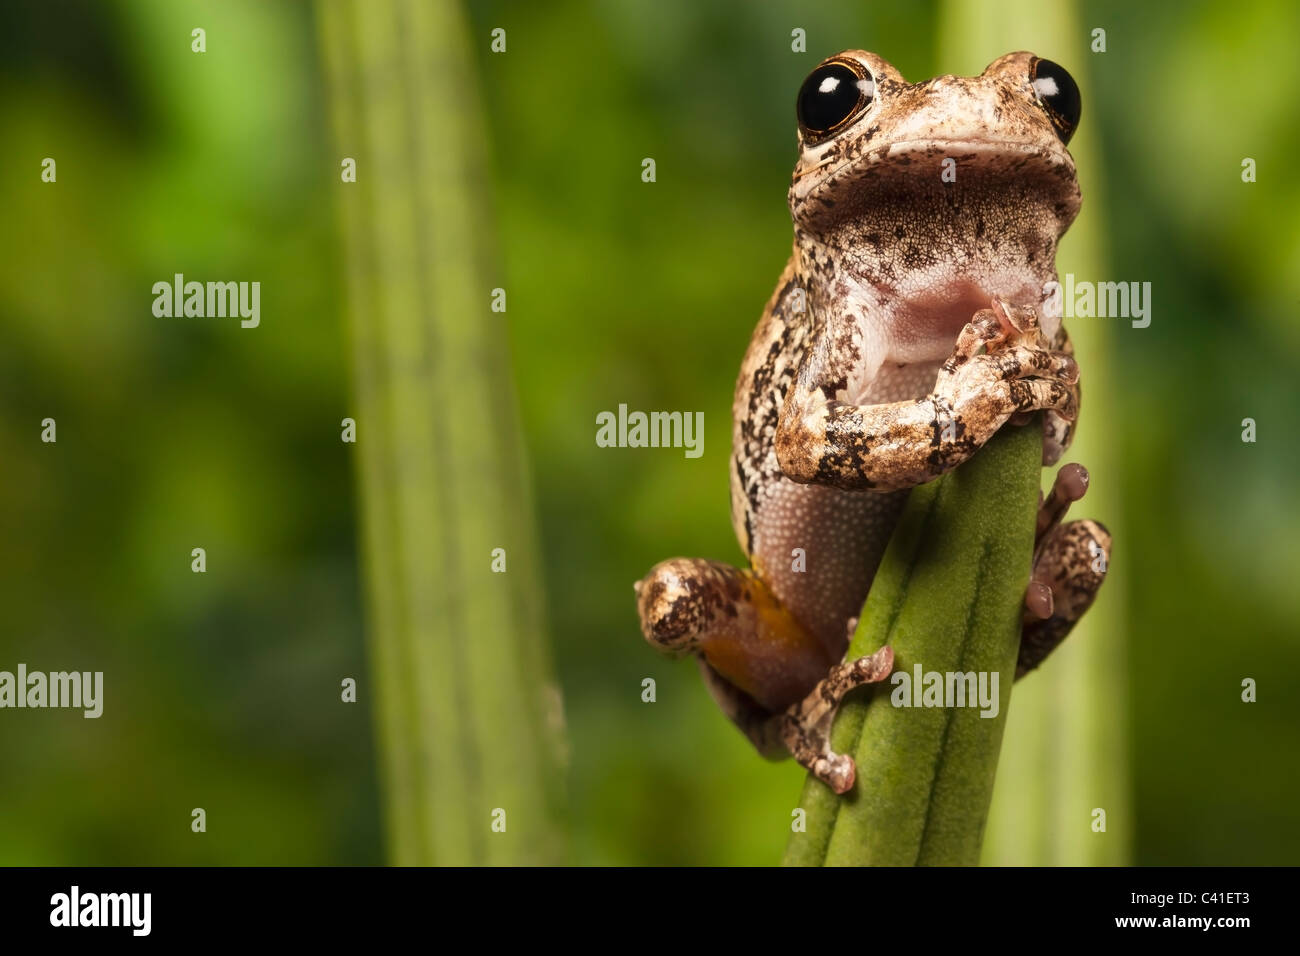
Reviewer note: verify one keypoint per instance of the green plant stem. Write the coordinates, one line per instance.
(1065, 753)
(467, 711)
(947, 598)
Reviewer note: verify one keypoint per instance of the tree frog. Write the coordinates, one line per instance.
(915, 318)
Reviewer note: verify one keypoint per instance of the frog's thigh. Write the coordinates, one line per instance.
(1072, 561)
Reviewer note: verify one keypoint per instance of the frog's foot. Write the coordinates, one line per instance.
(1069, 565)
(1068, 568)
(805, 727)
(1069, 486)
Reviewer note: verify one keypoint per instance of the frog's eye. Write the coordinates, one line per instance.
(833, 94)
(1058, 95)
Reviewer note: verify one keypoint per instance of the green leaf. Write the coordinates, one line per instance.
(467, 709)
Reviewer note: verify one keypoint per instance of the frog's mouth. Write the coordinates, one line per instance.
(910, 150)
(942, 175)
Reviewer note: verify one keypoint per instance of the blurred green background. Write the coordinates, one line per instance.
(222, 689)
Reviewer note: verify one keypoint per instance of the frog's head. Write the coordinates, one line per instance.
(867, 137)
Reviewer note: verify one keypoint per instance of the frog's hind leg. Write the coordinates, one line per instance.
(758, 661)
(1070, 562)
(805, 727)
(803, 730)
(734, 621)
(762, 729)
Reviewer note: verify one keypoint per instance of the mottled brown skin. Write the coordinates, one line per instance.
(913, 320)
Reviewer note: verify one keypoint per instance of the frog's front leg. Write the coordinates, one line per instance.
(758, 660)
(1001, 365)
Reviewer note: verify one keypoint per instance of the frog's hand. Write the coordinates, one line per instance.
(805, 727)
(991, 375)
(1058, 430)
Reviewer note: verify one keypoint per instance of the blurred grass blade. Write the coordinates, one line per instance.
(947, 598)
(1065, 753)
(468, 712)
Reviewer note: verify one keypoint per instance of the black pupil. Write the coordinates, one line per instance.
(1059, 94)
(829, 96)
